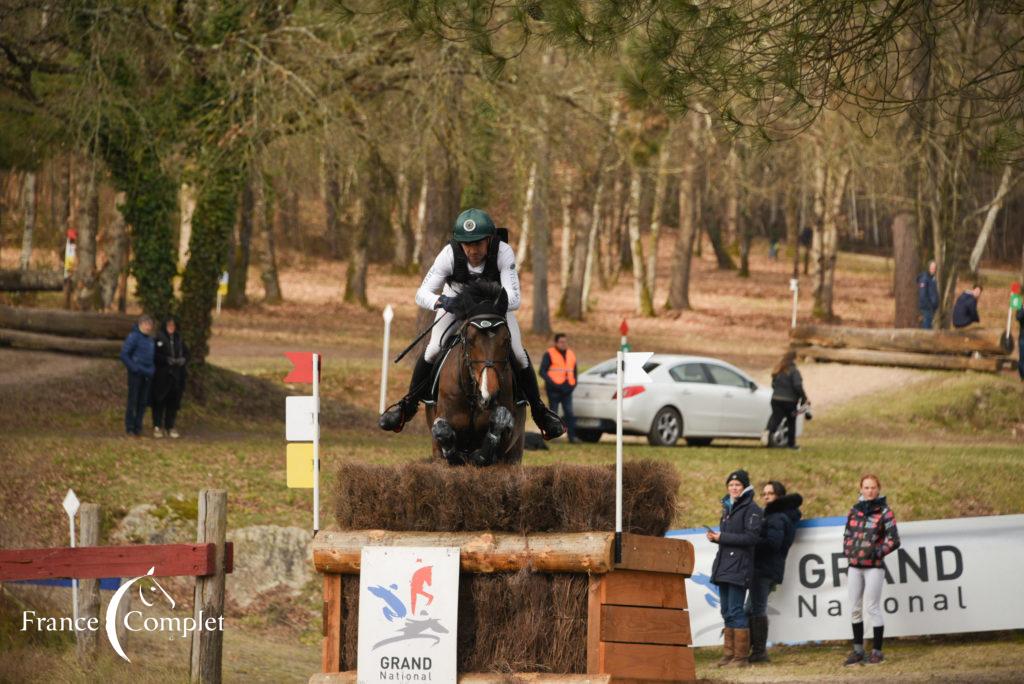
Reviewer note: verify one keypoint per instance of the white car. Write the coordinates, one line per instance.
(690, 397)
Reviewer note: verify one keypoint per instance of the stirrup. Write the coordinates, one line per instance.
(550, 431)
(385, 420)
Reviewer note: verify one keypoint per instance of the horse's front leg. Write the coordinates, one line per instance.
(500, 424)
(444, 436)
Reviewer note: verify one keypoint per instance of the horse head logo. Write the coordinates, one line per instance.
(155, 590)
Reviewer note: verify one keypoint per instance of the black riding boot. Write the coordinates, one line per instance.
(397, 415)
(759, 639)
(550, 424)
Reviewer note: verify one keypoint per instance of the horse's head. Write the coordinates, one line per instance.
(487, 349)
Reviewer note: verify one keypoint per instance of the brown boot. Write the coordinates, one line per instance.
(741, 648)
(727, 651)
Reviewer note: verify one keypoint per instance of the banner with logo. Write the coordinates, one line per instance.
(408, 613)
(957, 575)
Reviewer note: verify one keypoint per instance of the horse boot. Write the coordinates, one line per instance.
(550, 424)
(397, 415)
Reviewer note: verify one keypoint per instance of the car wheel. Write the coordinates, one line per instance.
(698, 441)
(666, 428)
(589, 436)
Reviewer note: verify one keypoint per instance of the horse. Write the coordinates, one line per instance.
(476, 419)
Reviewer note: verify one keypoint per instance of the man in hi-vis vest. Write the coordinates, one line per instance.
(558, 368)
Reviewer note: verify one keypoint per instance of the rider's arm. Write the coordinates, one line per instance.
(509, 275)
(433, 282)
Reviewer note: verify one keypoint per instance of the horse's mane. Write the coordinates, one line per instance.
(482, 297)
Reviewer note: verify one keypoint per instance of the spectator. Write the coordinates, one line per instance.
(137, 356)
(558, 368)
(781, 514)
(928, 295)
(169, 382)
(773, 249)
(869, 537)
(965, 311)
(787, 391)
(733, 569)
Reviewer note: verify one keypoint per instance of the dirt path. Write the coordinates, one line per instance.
(22, 367)
(830, 385)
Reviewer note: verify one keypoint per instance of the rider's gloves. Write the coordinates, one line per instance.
(446, 303)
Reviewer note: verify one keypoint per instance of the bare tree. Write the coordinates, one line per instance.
(28, 205)
(115, 247)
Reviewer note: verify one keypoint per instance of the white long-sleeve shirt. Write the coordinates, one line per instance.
(435, 283)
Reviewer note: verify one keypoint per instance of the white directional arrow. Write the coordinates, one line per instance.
(71, 504)
(634, 371)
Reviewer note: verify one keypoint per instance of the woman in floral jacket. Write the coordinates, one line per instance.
(869, 537)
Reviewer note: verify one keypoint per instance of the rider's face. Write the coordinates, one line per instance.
(476, 252)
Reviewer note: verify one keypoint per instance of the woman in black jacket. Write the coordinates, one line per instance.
(781, 514)
(733, 570)
(787, 392)
(169, 383)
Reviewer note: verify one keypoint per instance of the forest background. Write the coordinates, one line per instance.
(192, 138)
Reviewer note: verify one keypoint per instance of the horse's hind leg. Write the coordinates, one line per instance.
(444, 436)
(500, 424)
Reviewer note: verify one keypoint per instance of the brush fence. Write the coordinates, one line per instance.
(638, 625)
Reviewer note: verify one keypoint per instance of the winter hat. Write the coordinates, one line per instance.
(740, 475)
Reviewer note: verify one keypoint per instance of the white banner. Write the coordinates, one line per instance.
(956, 575)
(408, 614)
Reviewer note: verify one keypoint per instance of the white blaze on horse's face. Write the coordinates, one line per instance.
(485, 391)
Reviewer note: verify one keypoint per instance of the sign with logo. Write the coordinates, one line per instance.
(408, 613)
(948, 576)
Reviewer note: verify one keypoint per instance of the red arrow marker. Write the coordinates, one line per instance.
(303, 367)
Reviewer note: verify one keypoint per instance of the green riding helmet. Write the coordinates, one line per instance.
(473, 225)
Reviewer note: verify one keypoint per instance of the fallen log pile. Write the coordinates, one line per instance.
(14, 280)
(70, 332)
(974, 349)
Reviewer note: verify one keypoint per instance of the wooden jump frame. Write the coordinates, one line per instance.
(209, 561)
(638, 624)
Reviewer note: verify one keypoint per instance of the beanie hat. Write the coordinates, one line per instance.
(740, 475)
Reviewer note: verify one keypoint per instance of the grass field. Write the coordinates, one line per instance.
(943, 446)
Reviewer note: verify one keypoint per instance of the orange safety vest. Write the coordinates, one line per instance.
(562, 368)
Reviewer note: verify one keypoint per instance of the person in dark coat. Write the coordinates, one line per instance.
(169, 381)
(965, 311)
(137, 354)
(928, 295)
(733, 569)
(869, 537)
(787, 392)
(781, 515)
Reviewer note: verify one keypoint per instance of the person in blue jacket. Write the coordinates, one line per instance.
(928, 295)
(137, 354)
(781, 514)
(733, 569)
(965, 310)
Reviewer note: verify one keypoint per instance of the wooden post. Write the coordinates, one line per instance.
(333, 622)
(88, 589)
(207, 644)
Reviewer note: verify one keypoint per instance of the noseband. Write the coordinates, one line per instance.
(481, 322)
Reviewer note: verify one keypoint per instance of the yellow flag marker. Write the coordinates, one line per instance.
(300, 465)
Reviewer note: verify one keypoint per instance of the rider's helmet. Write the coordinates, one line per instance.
(473, 225)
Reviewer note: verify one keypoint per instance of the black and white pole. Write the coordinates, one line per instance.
(316, 443)
(71, 504)
(389, 315)
(794, 287)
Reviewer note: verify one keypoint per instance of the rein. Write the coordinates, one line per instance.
(472, 393)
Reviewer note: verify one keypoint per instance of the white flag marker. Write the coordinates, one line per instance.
(71, 504)
(389, 314)
(794, 287)
(629, 368)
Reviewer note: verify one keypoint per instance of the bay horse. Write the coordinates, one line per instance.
(476, 419)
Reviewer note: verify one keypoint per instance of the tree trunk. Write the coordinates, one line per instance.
(868, 357)
(84, 285)
(596, 212)
(965, 341)
(571, 305)
(792, 231)
(732, 199)
(682, 257)
(644, 305)
(31, 281)
(442, 197)
(657, 206)
(540, 236)
(332, 204)
(713, 224)
(69, 345)
(261, 219)
(830, 187)
(420, 224)
(402, 222)
(116, 249)
(28, 204)
(238, 269)
(355, 274)
(564, 261)
(186, 209)
(904, 249)
(76, 324)
(522, 249)
(986, 229)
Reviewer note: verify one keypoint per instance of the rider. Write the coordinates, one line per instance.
(474, 252)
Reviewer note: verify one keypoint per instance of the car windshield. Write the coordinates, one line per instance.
(607, 368)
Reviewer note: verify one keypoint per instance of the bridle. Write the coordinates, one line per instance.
(481, 322)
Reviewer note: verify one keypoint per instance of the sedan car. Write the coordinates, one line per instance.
(689, 397)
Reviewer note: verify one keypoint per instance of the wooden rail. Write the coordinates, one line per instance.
(97, 562)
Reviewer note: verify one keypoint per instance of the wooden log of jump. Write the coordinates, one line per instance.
(102, 326)
(869, 357)
(13, 280)
(482, 678)
(900, 339)
(67, 345)
(482, 552)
